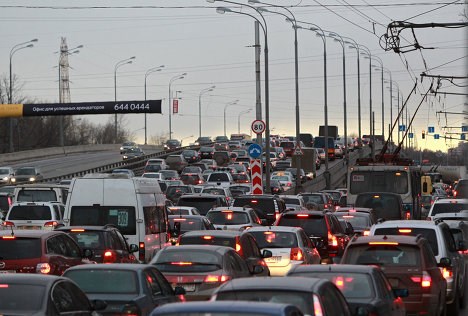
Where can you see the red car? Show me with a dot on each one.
(39, 251)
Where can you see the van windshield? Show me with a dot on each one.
(36, 196)
(121, 216)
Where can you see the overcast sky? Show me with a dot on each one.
(214, 49)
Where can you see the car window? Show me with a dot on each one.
(428, 233)
(312, 225)
(70, 248)
(20, 248)
(275, 239)
(236, 263)
(449, 241)
(254, 247)
(55, 246)
(30, 212)
(165, 286)
(152, 283)
(384, 255)
(67, 297)
(117, 245)
(333, 303)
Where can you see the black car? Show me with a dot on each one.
(131, 153)
(174, 192)
(129, 289)
(106, 242)
(172, 144)
(180, 224)
(266, 206)
(206, 152)
(30, 294)
(276, 187)
(191, 155)
(366, 288)
(203, 141)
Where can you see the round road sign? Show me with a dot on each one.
(258, 126)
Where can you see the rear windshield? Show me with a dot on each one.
(312, 225)
(269, 239)
(313, 199)
(177, 190)
(265, 205)
(185, 224)
(385, 206)
(20, 248)
(384, 255)
(30, 212)
(219, 177)
(36, 196)
(121, 216)
(14, 304)
(427, 233)
(208, 240)
(203, 204)
(228, 218)
(291, 201)
(213, 191)
(439, 208)
(357, 221)
(88, 240)
(102, 281)
(184, 260)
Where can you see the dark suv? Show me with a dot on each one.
(321, 227)
(267, 207)
(408, 263)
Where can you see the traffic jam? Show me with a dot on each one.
(190, 236)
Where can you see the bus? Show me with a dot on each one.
(399, 177)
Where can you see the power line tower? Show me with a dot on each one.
(64, 82)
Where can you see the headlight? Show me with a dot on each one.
(5, 178)
(121, 148)
(32, 179)
(125, 157)
(13, 179)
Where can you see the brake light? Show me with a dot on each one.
(8, 237)
(296, 254)
(405, 230)
(425, 280)
(43, 268)
(408, 215)
(217, 278)
(51, 224)
(8, 223)
(141, 251)
(182, 263)
(348, 216)
(383, 243)
(130, 310)
(109, 257)
(455, 193)
(447, 273)
(207, 237)
(302, 215)
(3, 286)
(77, 230)
(339, 282)
(317, 306)
(332, 240)
(238, 247)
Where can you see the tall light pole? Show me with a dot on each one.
(292, 20)
(13, 50)
(225, 108)
(117, 65)
(369, 56)
(182, 76)
(67, 52)
(355, 45)
(199, 108)
(340, 39)
(381, 68)
(264, 26)
(239, 116)
(148, 72)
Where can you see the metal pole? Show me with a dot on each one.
(145, 112)
(115, 99)
(391, 108)
(10, 101)
(383, 104)
(359, 95)
(258, 89)
(370, 107)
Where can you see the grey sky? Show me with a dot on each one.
(189, 36)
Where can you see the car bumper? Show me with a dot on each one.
(428, 305)
(283, 270)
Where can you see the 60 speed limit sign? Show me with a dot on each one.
(258, 126)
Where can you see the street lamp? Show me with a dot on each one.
(298, 186)
(148, 72)
(381, 68)
(355, 45)
(182, 76)
(239, 116)
(264, 26)
(13, 50)
(225, 107)
(117, 65)
(199, 107)
(369, 56)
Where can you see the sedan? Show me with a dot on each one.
(6, 173)
(26, 294)
(285, 180)
(180, 224)
(290, 246)
(131, 153)
(366, 288)
(128, 289)
(26, 175)
(200, 269)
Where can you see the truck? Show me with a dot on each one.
(332, 131)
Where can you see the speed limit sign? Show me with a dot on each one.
(258, 126)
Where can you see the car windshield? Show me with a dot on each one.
(299, 299)
(228, 218)
(439, 208)
(312, 225)
(121, 216)
(178, 259)
(88, 239)
(427, 233)
(280, 178)
(4, 171)
(25, 172)
(384, 255)
(14, 304)
(105, 281)
(312, 199)
(30, 212)
(274, 239)
(19, 248)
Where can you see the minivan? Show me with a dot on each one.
(135, 206)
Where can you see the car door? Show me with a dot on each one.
(156, 292)
(68, 299)
(127, 256)
(236, 265)
(334, 303)
(55, 251)
(311, 253)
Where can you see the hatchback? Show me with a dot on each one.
(206, 152)
(190, 155)
(128, 289)
(200, 269)
(176, 162)
(233, 218)
(447, 206)
(180, 224)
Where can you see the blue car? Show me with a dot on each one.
(227, 308)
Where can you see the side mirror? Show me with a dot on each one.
(133, 248)
(362, 311)
(462, 245)
(264, 221)
(267, 254)
(98, 305)
(258, 269)
(88, 253)
(178, 290)
(445, 262)
(400, 292)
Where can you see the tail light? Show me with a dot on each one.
(141, 251)
(130, 310)
(455, 193)
(408, 215)
(317, 306)
(296, 254)
(447, 273)
(332, 240)
(425, 280)
(289, 184)
(43, 268)
(8, 224)
(217, 278)
(109, 256)
(51, 224)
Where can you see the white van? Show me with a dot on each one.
(136, 206)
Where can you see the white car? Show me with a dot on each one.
(157, 161)
(34, 215)
(183, 210)
(290, 246)
(233, 218)
(154, 175)
(447, 206)
(286, 181)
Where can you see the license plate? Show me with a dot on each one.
(29, 227)
(273, 259)
(188, 287)
(393, 282)
(7, 271)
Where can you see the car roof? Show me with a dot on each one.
(274, 229)
(87, 228)
(454, 201)
(310, 212)
(305, 284)
(343, 268)
(408, 240)
(197, 217)
(407, 223)
(356, 209)
(230, 208)
(205, 248)
(29, 233)
(215, 233)
(30, 278)
(112, 266)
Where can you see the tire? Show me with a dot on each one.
(454, 308)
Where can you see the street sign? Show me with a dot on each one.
(175, 106)
(410, 135)
(402, 128)
(298, 151)
(258, 126)
(430, 129)
(256, 169)
(436, 136)
(255, 151)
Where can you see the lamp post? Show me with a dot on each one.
(239, 116)
(355, 45)
(67, 52)
(340, 39)
(225, 107)
(13, 50)
(381, 68)
(264, 26)
(298, 186)
(117, 65)
(369, 56)
(182, 76)
(199, 108)
(148, 72)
